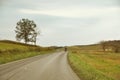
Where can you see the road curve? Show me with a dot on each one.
(46, 67)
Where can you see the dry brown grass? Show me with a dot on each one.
(106, 63)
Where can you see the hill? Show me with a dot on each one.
(11, 50)
(12, 46)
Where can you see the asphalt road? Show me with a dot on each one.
(44, 67)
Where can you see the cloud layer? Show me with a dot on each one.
(75, 12)
(63, 22)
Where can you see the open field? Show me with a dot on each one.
(11, 51)
(90, 63)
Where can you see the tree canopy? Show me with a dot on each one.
(113, 45)
(26, 31)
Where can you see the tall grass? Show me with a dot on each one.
(84, 70)
(11, 51)
(8, 57)
(91, 64)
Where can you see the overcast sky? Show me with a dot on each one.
(63, 22)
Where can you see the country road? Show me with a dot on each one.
(44, 67)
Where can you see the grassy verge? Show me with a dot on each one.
(90, 63)
(84, 70)
(11, 51)
(7, 57)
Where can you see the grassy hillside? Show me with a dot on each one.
(11, 51)
(90, 63)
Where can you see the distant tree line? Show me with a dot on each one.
(113, 45)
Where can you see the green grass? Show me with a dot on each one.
(9, 46)
(11, 51)
(5, 58)
(91, 64)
